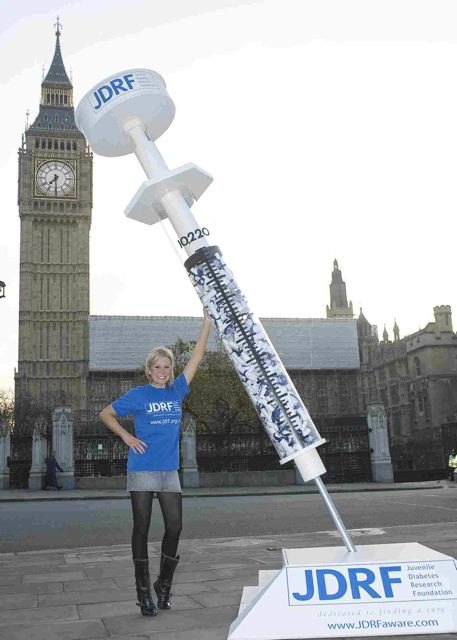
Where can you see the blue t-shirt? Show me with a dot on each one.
(157, 419)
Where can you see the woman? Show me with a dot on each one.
(153, 462)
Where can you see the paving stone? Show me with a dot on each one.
(78, 558)
(142, 637)
(78, 630)
(18, 601)
(213, 633)
(33, 569)
(274, 557)
(39, 587)
(107, 610)
(86, 597)
(207, 565)
(65, 576)
(188, 588)
(27, 562)
(195, 576)
(90, 585)
(171, 621)
(44, 613)
(104, 610)
(12, 579)
(238, 573)
(234, 584)
(111, 570)
(218, 599)
(125, 581)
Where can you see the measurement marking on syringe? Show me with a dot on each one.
(224, 298)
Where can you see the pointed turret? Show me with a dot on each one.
(385, 335)
(339, 307)
(57, 74)
(363, 326)
(396, 331)
(56, 105)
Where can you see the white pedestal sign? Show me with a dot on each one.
(328, 592)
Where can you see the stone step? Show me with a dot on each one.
(266, 576)
(249, 593)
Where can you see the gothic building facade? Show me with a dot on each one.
(414, 377)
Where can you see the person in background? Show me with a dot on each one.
(51, 472)
(452, 464)
(153, 462)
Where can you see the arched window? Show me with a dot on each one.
(417, 366)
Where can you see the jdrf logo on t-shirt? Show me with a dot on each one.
(154, 407)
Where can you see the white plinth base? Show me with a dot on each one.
(328, 592)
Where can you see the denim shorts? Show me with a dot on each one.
(153, 481)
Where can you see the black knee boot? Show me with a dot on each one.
(143, 587)
(162, 585)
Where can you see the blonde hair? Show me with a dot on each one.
(153, 356)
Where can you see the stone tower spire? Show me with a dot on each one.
(57, 74)
(339, 307)
(56, 104)
(55, 209)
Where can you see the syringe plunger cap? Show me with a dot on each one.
(134, 94)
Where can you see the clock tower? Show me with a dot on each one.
(55, 204)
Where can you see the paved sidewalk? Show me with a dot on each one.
(18, 495)
(88, 593)
(85, 594)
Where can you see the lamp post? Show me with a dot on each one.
(2, 289)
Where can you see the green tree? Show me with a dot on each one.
(218, 400)
(28, 410)
(6, 408)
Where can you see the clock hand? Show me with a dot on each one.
(54, 180)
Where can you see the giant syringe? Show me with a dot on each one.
(125, 113)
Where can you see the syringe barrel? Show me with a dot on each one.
(281, 411)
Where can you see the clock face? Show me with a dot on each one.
(55, 178)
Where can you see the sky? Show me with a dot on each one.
(329, 126)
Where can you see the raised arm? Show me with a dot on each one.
(199, 350)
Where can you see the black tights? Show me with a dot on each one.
(171, 506)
